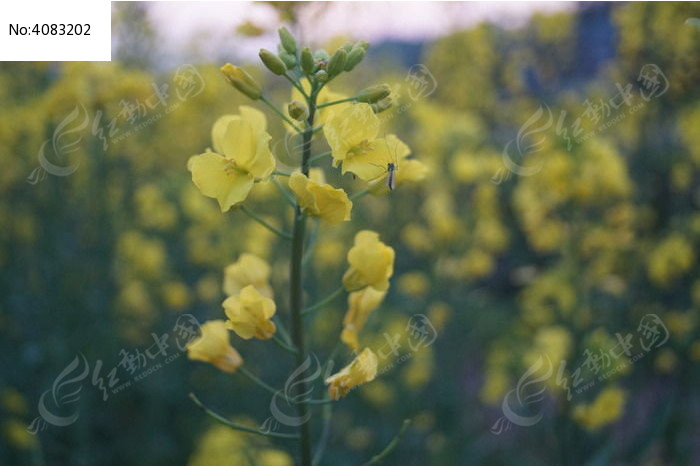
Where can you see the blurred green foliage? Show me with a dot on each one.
(556, 263)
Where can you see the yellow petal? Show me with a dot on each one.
(411, 170)
(255, 117)
(325, 201)
(332, 203)
(249, 269)
(371, 263)
(214, 177)
(298, 183)
(240, 142)
(398, 148)
(249, 314)
(263, 162)
(350, 127)
(219, 130)
(370, 164)
(214, 346)
(361, 370)
(360, 305)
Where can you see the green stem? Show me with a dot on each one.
(327, 411)
(378, 458)
(325, 434)
(279, 392)
(320, 156)
(335, 102)
(359, 194)
(287, 195)
(296, 291)
(232, 425)
(282, 329)
(257, 381)
(282, 344)
(281, 173)
(325, 301)
(262, 222)
(308, 254)
(296, 84)
(279, 113)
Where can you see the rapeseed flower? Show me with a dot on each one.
(361, 370)
(320, 199)
(371, 263)
(241, 156)
(249, 314)
(249, 269)
(213, 346)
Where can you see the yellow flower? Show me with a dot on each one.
(16, 434)
(213, 346)
(244, 143)
(361, 370)
(670, 260)
(414, 284)
(360, 304)
(249, 269)
(606, 408)
(249, 314)
(371, 263)
(352, 135)
(321, 200)
(394, 151)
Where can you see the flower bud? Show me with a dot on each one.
(382, 105)
(242, 81)
(354, 57)
(347, 47)
(307, 61)
(363, 44)
(289, 60)
(272, 61)
(288, 41)
(374, 93)
(322, 76)
(337, 62)
(321, 54)
(297, 110)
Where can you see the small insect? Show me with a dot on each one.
(391, 176)
(391, 169)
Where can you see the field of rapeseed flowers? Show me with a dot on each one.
(479, 249)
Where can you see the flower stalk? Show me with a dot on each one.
(296, 304)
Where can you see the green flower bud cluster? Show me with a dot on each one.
(318, 65)
(294, 61)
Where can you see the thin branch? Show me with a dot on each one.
(325, 301)
(325, 434)
(264, 223)
(282, 329)
(279, 113)
(296, 84)
(287, 195)
(233, 425)
(257, 381)
(284, 345)
(335, 102)
(320, 156)
(378, 458)
(359, 194)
